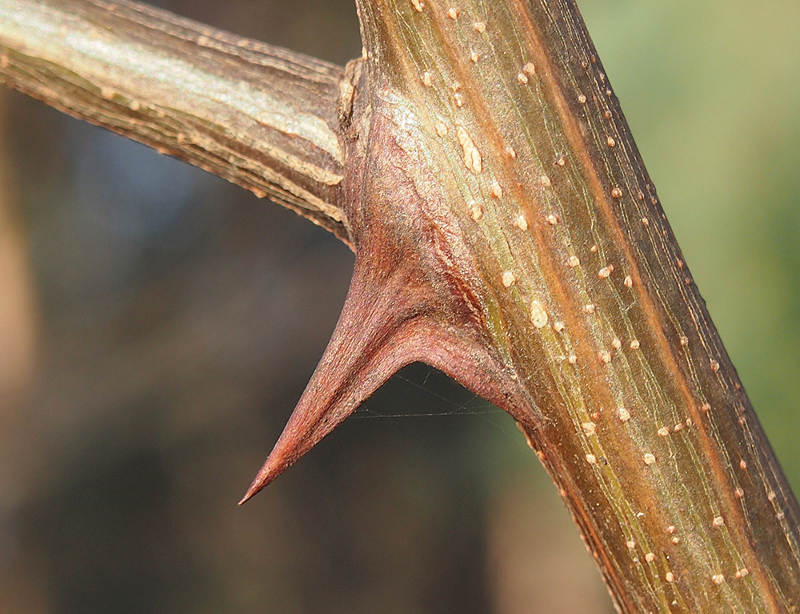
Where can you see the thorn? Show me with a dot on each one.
(385, 325)
(365, 350)
(405, 305)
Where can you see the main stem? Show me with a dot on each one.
(632, 402)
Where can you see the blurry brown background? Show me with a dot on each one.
(157, 326)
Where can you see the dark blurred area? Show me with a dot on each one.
(157, 326)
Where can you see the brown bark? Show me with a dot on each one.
(506, 232)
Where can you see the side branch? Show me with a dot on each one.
(262, 117)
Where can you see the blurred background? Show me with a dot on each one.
(157, 326)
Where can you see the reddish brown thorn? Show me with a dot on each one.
(366, 348)
(384, 326)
